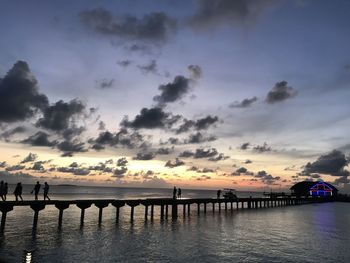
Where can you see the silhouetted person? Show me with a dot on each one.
(18, 191)
(179, 193)
(36, 190)
(6, 189)
(174, 192)
(46, 191)
(2, 190)
(218, 194)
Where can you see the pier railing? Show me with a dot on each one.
(149, 205)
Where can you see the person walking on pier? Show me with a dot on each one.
(46, 191)
(179, 193)
(2, 190)
(218, 194)
(36, 190)
(18, 191)
(5, 191)
(174, 192)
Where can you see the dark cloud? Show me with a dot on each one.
(280, 92)
(151, 27)
(9, 133)
(151, 119)
(173, 91)
(200, 124)
(248, 161)
(332, 163)
(176, 163)
(3, 164)
(262, 148)
(244, 103)
(16, 177)
(124, 63)
(144, 156)
(205, 153)
(195, 71)
(199, 138)
(101, 126)
(39, 139)
(151, 67)
(205, 170)
(60, 117)
(242, 170)
(203, 178)
(70, 147)
(186, 154)
(15, 167)
(266, 178)
(123, 138)
(245, 146)
(75, 170)
(38, 166)
(120, 172)
(122, 161)
(31, 157)
(105, 83)
(164, 151)
(213, 13)
(19, 95)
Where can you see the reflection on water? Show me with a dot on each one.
(308, 233)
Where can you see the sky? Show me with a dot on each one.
(206, 94)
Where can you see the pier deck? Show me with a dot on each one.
(164, 204)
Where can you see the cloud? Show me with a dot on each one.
(280, 92)
(195, 71)
(205, 153)
(203, 178)
(200, 124)
(144, 156)
(173, 91)
(151, 67)
(214, 13)
(70, 147)
(262, 148)
(105, 83)
(15, 167)
(75, 170)
(16, 177)
(151, 118)
(266, 178)
(245, 146)
(332, 163)
(164, 151)
(122, 161)
(248, 161)
(9, 133)
(39, 139)
(19, 95)
(153, 27)
(31, 157)
(124, 63)
(120, 172)
(176, 163)
(219, 157)
(199, 138)
(242, 170)
(60, 117)
(244, 103)
(38, 166)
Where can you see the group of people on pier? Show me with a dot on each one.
(19, 189)
(176, 193)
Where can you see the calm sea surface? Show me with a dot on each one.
(308, 233)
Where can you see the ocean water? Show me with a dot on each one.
(307, 233)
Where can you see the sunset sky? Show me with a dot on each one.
(244, 94)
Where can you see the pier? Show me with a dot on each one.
(166, 205)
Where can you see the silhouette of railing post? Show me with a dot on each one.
(117, 204)
(4, 208)
(61, 206)
(101, 204)
(37, 206)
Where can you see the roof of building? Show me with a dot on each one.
(306, 185)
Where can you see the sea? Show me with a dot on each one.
(305, 233)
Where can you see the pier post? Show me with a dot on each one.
(174, 210)
(249, 205)
(205, 208)
(101, 204)
(37, 206)
(161, 212)
(166, 211)
(146, 212)
(83, 205)
(184, 210)
(237, 205)
(146, 204)
(225, 205)
(61, 206)
(189, 209)
(152, 212)
(4, 208)
(219, 206)
(198, 208)
(231, 206)
(132, 204)
(213, 207)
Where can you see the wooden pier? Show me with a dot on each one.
(149, 204)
